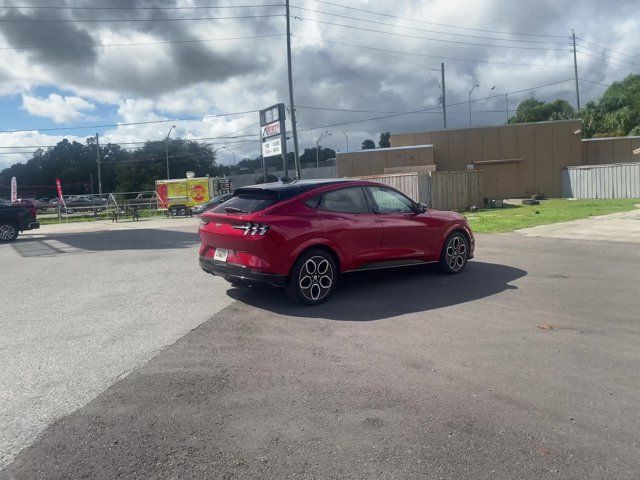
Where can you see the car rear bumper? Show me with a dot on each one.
(33, 226)
(235, 271)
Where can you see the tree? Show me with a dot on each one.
(76, 165)
(616, 113)
(384, 140)
(368, 144)
(532, 110)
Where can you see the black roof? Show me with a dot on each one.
(291, 189)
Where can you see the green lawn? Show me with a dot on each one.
(513, 217)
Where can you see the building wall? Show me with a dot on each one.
(374, 161)
(599, 151)
(517, 160)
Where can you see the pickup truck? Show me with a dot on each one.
(15, 219)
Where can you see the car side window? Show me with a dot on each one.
(313, 202)
(345, 200)
(390, 201)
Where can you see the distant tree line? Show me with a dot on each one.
(616, 113)
(122, 170)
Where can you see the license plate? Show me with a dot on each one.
(221, 254)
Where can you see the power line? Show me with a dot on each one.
(110, 20)
(608, 55)
(195, 7)
(607, 60)
(388, 15)
(340, 109)
(428, 30)
(431, 56)
(435, 107)
(595, 83)
(149, 122)
(137, 44)
(618, 52)
(459, 42)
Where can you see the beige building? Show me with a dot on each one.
(516, 160)
(600, 151)
(362, 163)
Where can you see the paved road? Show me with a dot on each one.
(525, 366)
(81, 308)
(616, 227)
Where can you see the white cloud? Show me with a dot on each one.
(162, 81)
(56, 107)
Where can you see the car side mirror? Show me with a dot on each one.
(421, 208)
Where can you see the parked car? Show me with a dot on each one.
(85, 203)
(213, 203)
(302, 235)
(145, 199)
(16, 218)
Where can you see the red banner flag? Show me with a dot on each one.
(59, 187)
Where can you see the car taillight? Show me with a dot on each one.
(253, 228)
(33, 211)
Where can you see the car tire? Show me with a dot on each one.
(313, 277)
(8, 232)
(455, 253)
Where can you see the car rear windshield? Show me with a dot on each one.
(248, 201)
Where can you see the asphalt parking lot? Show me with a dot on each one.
(524, 366)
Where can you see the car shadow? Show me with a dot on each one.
(98, 241)
(391, 293)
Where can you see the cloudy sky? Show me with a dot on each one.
(168, 62)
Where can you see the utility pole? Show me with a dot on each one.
(166, 148)
(444, 98)
(506, 100)
(99, 168)
(294, 128)
(470, 92)
(575, 68)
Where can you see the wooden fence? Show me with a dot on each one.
(438, 190)
(456, 190)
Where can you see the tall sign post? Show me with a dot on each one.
(273, 135)
(14, 190)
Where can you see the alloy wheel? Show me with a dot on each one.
(456, 253)
(316, 278)
(7, 232)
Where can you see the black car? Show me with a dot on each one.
(213, 203)
(15, 219)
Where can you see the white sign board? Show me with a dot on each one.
(271, 148)
(271, 130)
(14, 190)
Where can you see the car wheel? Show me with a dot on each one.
(312, 278)
(454, 253)
(8, 232)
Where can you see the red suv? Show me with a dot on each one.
(303, 234)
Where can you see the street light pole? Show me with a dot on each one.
(470, 92)
(234, 154)
(324, 134)
(166, 148)
(347, 137)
